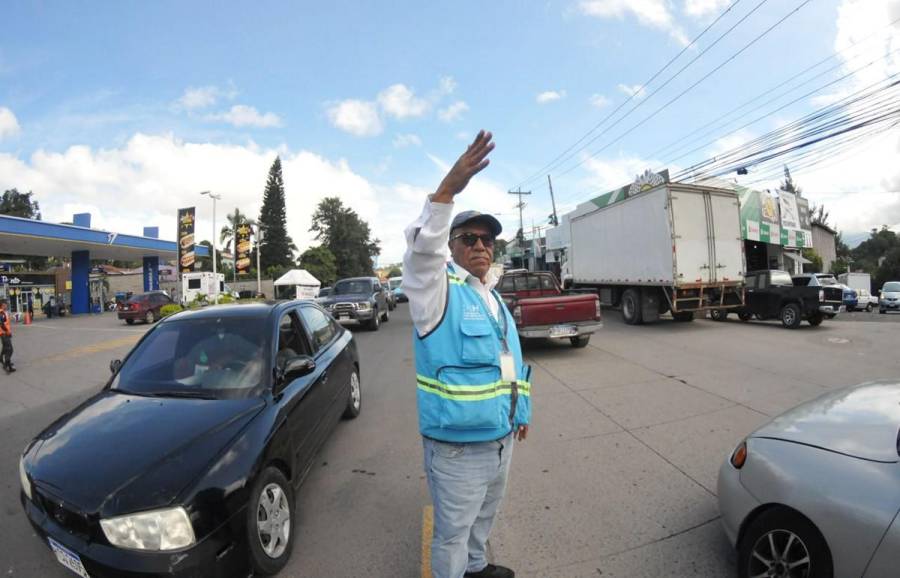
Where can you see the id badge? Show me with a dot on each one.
(507, 367)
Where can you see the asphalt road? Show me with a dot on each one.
(617, 478)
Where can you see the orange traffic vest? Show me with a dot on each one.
(5, 328)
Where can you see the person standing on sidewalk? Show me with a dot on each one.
(473, 389)
(6, 338)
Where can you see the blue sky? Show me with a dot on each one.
(370, 100)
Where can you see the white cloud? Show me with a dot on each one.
(599, 101)
(550, 96)
(241, 115)
(357, 117)
(635, 90)
(9, 126)
(652, 13)
(731, 141)
(399, 101)
(453, 112)
(702, 8)
(406, 140)
(447, 85)
(194, 98)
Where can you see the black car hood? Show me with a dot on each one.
(117, 453)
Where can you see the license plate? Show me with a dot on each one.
(343, 316)
(68, 558)
(563, 331)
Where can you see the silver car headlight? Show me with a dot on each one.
(159, 530)
(364, 306)
(23, 477)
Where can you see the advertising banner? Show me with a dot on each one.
(792, 217)
(805, 223)
(186, 257)
(242, 249)
(759, 216)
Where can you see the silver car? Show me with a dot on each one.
(815, 493)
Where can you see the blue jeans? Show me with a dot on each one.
(467, 482)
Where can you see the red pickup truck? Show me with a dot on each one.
(542, 309)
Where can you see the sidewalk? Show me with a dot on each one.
(56, 358)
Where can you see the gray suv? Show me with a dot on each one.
(359, 299)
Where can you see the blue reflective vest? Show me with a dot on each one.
(461, 395)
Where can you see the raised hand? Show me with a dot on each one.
(467, 166)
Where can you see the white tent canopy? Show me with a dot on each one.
(307, 286)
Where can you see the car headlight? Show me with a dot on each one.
(363, 306)
(23, 477)
(168, 529)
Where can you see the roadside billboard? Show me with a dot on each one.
(186, 256)
(792, 229)
(242, 249)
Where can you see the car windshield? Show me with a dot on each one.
(781, 278)
(324, 291)
(395, 283)
(351, 287)
(892, 287)
(214, 357)
(826, 280)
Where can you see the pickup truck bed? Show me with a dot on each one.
(542, 310)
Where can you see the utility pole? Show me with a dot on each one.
(552, 201)
(234, 226)
(214, 198)
(520, 205)
(259, 237)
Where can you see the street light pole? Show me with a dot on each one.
(259, 236)
(214, 198)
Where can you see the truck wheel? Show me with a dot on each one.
(683, 316)
(869, 308)
(816, 320)
(790, 316)
(131, 321)
(718, 314)
(387, 315)
(631, 307)
(745, 316)
(375, 322)
(579, 341)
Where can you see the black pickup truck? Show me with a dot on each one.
(771, 294)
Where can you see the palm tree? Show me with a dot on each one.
(226, 236)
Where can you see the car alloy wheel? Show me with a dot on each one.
(273, 520)
(148, 318)
(790, 316)
(354, 400)
(782, 543)
(779, 554)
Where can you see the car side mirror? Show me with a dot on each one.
(294, 367)
(115, 365)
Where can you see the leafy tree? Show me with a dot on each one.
(320, 263)
(347, 236)
(18, 204)
(395, 272)
(499, 249)
(840, 265)
(819, 216)
(277, 247)
(889, 270)
(789, 185)
(816, 265)
(867, 255)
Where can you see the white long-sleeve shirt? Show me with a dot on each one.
(425, 268)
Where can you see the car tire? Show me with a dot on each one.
(816, 320)
(718, 314)
(131, 321)
(387, 315)
(631, 307)
(149, 318)
(790, 316)
(745, 317)
(579, 341)
(783, 527)
(683, 316)
(869, 308)
(272, 498)
(375, 322)
(354, 397)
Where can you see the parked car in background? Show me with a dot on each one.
(865, 300)
(324, 293)
(542, 309)
(773, 294)
(850, 297)
(814, 492)
(144, 307)
(389, 295)
(359, 299)
(397, 288)
(186, 463)
(889, 298)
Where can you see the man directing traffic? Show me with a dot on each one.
(473, 389)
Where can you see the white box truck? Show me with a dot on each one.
(200, 282)
(862, 284)
(673, 247)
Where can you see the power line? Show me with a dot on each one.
(631, 97)
(688, 89)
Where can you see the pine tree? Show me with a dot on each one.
(276, 246)
(347, 236)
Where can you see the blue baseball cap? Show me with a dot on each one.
(467, 217)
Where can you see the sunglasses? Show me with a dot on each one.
(469, 239)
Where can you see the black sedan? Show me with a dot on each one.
(186, 463)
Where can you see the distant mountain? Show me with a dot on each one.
(853, 240)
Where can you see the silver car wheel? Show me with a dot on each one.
(273, 520)
(355, 395)
(779, 554)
